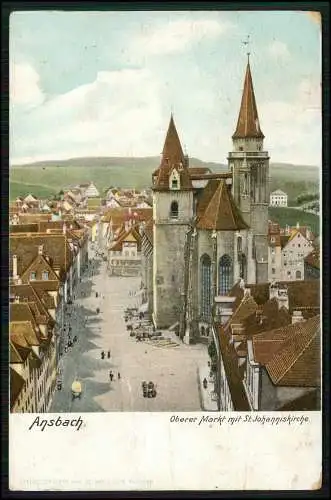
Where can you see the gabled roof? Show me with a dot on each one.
(25, 246)
(248, 125)
(221, 213)
(117, 246)
(297, 361)
(270, 317)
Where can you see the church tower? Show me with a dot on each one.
(249, 164)
(172, 214)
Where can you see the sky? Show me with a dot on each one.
(105, 83)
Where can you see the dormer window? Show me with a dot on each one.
(174, 184)
(33, 276)
(44, 275)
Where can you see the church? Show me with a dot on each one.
(209, 230)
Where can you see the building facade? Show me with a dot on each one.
(209, 229)
(278, 198)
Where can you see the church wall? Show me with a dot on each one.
(184, 199)
(168, 273)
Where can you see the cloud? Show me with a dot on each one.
(295, 128)
(178, 36)
(24, 86)
(279, 50)
(117, 114)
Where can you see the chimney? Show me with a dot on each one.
(64, 228)
(18, 280)
(223, 308)
(298, 225)
(14, 266)
(297, 317)
(40, 249)
(280, 293)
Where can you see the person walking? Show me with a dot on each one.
(118, 375)
(102, 354)
(108, 354)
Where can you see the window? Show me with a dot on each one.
(273, 270)
(174, 184)
(242, 266)
(299, 245)
(44, 275)
(241, 148)
(33, 276)
(298, 275)
(205, 303)
(288, 273)
(202, 331)
(224, 275)
(174, 210)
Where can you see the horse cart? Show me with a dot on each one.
(76, 389)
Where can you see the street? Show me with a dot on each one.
(174, 370)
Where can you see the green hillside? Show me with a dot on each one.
(137, 172)
(23, 189)
(291, 216)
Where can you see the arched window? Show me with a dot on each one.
(225, 275)
(298, 275)
(239, 244)
(174, 210)
(243, 266)
(205, 302)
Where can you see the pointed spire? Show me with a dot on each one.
(172, 149)
(248, 125)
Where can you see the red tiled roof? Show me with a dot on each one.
(248, 125)
(221, 213)
(297, 362)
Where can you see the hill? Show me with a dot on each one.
(291, 216)
(136, 172)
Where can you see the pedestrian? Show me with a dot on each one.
(108, 354)
(102, 354)
(118, 375)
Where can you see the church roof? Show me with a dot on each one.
(172, 149)
(172, 158)
(248, 125)
(221, 213)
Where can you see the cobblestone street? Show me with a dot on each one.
(173, 369)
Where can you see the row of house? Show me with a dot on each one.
(46, 261)
(268, 347)
(124, 198)
(119, 237)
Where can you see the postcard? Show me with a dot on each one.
(165, 250)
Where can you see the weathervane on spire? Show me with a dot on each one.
(246, 43)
